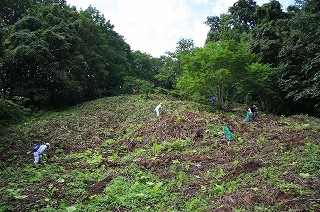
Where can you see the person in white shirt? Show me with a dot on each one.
(39, 153)
(158, 109)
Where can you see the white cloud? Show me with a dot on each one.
(155, 26)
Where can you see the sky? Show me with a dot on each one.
(155, 26)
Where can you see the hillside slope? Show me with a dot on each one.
(114, 154)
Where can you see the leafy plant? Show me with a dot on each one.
(156, 148)
(95, 159)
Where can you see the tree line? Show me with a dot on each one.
(53, 56)
(256, 55)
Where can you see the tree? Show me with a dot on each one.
(13, 10)
(31, 65)
(171, 67)
(10, 112)
(143, 66)
(56, 56)
(244, 12)
(223, 69)
(298, 72)
(268, 35)
(134, 85)
(167, 73)
(113, 52)
(271, 11)
(240, 19)
(223, 28)
(288, 43)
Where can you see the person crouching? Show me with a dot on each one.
(39, 153)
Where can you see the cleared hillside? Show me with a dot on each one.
(114, 154)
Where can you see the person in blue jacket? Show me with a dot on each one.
(39, 153)
(213, 99)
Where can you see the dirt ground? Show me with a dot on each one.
(262, 137)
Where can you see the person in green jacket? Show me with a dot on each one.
(247, 119)
(227, 133)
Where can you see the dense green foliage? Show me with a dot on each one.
(53, 56)
(57, 57)
(225, 69)
(298, 72)
(10, 112)
(288, 42)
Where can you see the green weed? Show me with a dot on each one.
(156, 148)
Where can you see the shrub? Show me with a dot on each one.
(10, 112)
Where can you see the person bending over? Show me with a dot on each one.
(38, 152)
